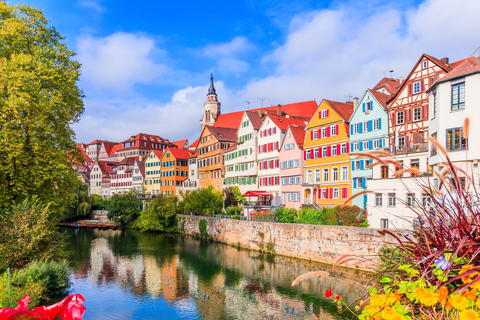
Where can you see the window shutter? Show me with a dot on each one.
(394, 123)
(348, 150)
(362, 164)
(355, 183)
(278, 161)
(360, 127)
(353, 165)
(379, 123)
(360, 146)
(336, 129)
(326, 193)
(311, 154)
(364, 182)
(328, 131)
(319, 193)
(320, 114)
(370, 144)
(351, 129)
(370, 125)
(331, 193)
(425, 112)
(363, 107)
(380, 142)
(305, 155)
(351, 146)
(338, 149)
(410, 89)
(329, 151)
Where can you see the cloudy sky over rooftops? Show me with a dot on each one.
(146, 65)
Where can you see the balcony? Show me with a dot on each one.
(259, 203)
(412, 148)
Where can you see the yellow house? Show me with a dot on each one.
(152, 172)
(326, 155)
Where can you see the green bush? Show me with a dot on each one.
(233, 210)
(160, 215)
(205, 201)
(286, 215)
(80, 202)
(28, 232)
(310, 216)
(202, 226)
(35, 289)
(329, 217)
(124, 208)
(53, 274)
(350, 215)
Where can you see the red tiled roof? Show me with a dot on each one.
(141, 166)
(109, 146)
(180, 143)
(344, 109)
(468, 66)
(442, 64)
(129, 160)
(381, 98)
(106, 166)
(232, 147)
(193, 155)
(223, 134)
(195, 143)
(459, 62)
(391, 85)
(283, 122)
(158, 153)
(229, 120)
(298, 134)
(180, 153)
(115, 148)
(255, 119)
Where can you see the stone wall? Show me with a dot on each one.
(311, 242)
(100, 215)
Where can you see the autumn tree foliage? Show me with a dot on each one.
(39, 102)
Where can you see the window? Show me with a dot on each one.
(323, 133)
(356, 146)
(401, 142)
(417, 114)
(426, 200)
(458, 96)
(376, 124)
(323, 193)
(335, 193)
(344, 148)
(309, 176)
(324, 113)
(392, 199)
(334, 151)
(410, 199)
(317, 175)
(325, 175)
(415, 164)
(378, 199)
(384, 223)
(324, 152)
(416, 87)
(384, 172)
(433, 150)
(434, 104)
(333, 130)
(376, 144)
(365, 126)
(400, 118)
(455, 140)
(344, 173)
(368, 106)
(356, 128)
(334, 174)
(365, 145)
(357, 165)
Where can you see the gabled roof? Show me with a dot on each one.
(128, 161)
(467, 67)
(283, 122)
(193, 155)
(115, 148)
(233, 147)
(229, 120)
(255, 119)
(223, 134)
(343, 109)
(381, 98)
(298, 134)
(109, 146)
(195, 143)
(182, 154)
(391, 85)
(442, 64)
(158, 153)
(107, 166)
(180, 143)
(141, 166)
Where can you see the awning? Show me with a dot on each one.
(256, 193)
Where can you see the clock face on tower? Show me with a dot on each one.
(207, 107)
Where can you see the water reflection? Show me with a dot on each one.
(130, 275)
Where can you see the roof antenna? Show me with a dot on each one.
(349, 96)
(262, 99)
(248, 103)
(391, 74)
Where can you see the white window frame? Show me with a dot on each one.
(335, 174)
(417, 87)
(334, 151)
(344, 173)
(333, 130)
(378, 200)
(397, 117)
(376, 124)
(323, 133)
(335, 193)
(325, 175)
(365, 126)
(417, 114)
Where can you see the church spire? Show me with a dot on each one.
(211, 90)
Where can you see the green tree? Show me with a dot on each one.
(124, 208)
(39, 102)
(350, 215)
(160, 215)
(28, 232)
(80, 203)
(205, 201)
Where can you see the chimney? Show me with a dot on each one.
(355, 102)
(446, 60)
(400, 80)
(260, 113)
(279, 110)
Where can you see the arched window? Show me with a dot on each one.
(325, 175)
(344, 173)
(334, 174)
(317, 175)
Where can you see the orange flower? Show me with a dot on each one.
(458, 302)
(448, 306)
(442, 295)
(472, 295)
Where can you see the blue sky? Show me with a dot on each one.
(146, 64)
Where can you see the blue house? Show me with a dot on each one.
(368, 131)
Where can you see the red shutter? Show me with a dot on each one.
(328, 111)
(319, 193)
(274, 130)
(348, 147)
(259, 149)
(336, 130)
(261, 134)
(304, 154)
(311, 135)
(320, 114)
(271, 164)
(338, 149)
(271, 181)
(393, 118)
(425, 112)
(311, 154)
(329, 151)
(331, 193)
(408, 114)
(326, 193)
(320, 153)
(328, 131)
(410, 89)
(278, 162)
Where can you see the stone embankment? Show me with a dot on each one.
(311, 242)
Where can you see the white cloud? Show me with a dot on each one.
(91, 4)
(118, 61)
(227, 55)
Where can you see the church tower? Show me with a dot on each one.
(211, 107)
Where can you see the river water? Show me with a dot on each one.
(131, 275)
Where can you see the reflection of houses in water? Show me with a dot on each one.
(153, 277)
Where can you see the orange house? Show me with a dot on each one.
(213, 143)
(173, 170)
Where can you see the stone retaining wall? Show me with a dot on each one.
(312, 242)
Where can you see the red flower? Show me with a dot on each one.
(337, 297)
(328, 293)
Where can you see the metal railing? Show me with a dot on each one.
(264, 203)
(258, 218)
(411, 148)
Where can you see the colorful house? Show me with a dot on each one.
(368, 131)
(152, 172)
(291, 167)
(173, 170)
(326, 155)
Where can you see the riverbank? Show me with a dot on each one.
(90, 224)
(319, 243)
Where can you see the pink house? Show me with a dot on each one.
(291, 167)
